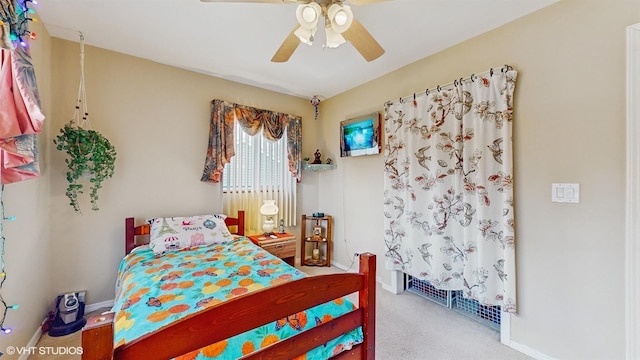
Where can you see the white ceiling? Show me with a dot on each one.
(236, 41)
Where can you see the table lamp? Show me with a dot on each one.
(269, 210)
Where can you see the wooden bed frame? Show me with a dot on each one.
(256, 309)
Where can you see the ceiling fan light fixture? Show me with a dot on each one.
(305, 35)
(308, 14)
(333, 38)
(340, 17)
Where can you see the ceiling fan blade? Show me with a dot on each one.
(362, 40)
(289, 45)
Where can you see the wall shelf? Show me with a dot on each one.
(318, 167)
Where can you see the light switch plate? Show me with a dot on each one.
(565, 193)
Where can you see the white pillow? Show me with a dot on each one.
(176, 233)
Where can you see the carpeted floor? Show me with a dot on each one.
(408, 326)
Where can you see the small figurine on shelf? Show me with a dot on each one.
(317, 159)
(316, 235)
(329, 161)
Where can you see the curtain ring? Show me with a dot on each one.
(491, 72)
(401, 101)
(426, 92)
(473, 77)
(455, 83)
(439, 89)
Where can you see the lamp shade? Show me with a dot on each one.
(305, 35)
(308, 14)
(334, 39)
(340, 17)
(269, 209)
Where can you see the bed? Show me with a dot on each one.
(311, 315)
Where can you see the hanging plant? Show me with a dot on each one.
(89, 154)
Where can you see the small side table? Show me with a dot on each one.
(282, 245)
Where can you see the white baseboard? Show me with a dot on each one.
(340, 266)
(348, 269)
(96, 306)
(505, 339)
(529, 351)
(33, 342)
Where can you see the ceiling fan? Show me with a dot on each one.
(340, 26)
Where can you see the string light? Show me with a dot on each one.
(3, 273)
(18, 25)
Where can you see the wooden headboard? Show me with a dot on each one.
(131, 231)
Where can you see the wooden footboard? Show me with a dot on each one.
(255, 309)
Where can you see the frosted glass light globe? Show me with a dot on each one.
(309, 14)
(341, 17)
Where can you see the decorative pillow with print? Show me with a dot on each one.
(176, 233)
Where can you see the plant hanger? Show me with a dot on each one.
(90, 156)
(82, 94)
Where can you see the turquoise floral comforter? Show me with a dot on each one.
(155, 291)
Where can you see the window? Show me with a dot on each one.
(258, 163)
(258, 171)
(250, 167)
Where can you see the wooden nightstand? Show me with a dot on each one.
(96, 342)
(283, 246)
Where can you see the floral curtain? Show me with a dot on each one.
(20, 115)
(448, 188)
(249, 193)
(220, 149)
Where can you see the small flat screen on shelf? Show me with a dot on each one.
(360, 135)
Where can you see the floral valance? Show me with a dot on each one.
(252, 120)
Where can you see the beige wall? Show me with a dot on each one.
(27, 247)
(568, 127)
(157, 117)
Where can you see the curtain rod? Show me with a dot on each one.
(472, 77)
